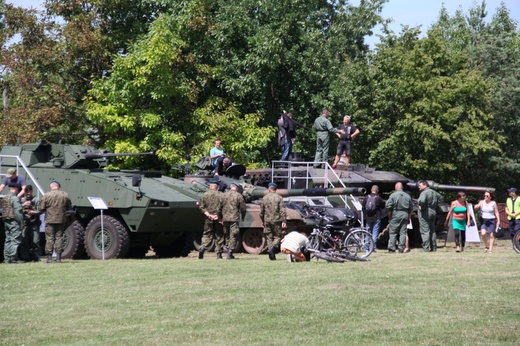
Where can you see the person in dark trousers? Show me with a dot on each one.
(513, 211)
(12, 216)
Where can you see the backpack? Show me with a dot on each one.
(370, 206)
(7, 208)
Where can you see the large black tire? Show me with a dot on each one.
(74, 241)
(516, 242)
(253, 241)
(180, 248)
(116, 238)
(328, 257)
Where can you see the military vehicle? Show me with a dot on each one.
(145, 208)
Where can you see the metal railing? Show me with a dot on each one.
(28, 173)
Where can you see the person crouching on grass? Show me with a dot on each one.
(292, 245)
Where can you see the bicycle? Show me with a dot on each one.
(337, 245)
(516, 242)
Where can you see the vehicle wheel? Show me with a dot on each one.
(73, 241)
(516, 242)
(180, 247)
(253, 241)
(359, 243)
(198, 241)
(115, 237)
(328, 258)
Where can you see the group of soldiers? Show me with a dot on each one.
(21, 217)
(223, 212)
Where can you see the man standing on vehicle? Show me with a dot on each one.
(13, 217)
(323, 127)
(274, 218)
(233, 207)
(373, 205)
(12, 177)
(399, 207)
(345, 141)
(210, 205)
(54, 204)
(428, 202)
(513, 212)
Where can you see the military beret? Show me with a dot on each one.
(273, 185)
(236, 183)
(55, 181)
(213, 181)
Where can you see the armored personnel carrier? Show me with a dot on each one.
(145, 208)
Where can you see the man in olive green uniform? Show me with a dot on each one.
(273, 216)
(31, 231)
(233, 206)
(428, 202)
(210, 205)
(323, 127)
(54, 204)
(399, 207)
(13, 217)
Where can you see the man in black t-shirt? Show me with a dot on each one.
(345, 140)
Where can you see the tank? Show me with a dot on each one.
(145, 208)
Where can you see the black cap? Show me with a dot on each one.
(512, 189)
(28, 188)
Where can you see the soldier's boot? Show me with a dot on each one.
(58, 258)
(272, 256)
(230, 255)
(219, 255)
(201, 252)
(49, 258)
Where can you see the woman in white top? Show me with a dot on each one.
(490, 219)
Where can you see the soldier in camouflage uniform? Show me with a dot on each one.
(210, 205)
(54, 204)
(13, 217)
(233, 206)
(399, 207)
(428, 202)
(323, 127)
(273, 216)
(31, 229)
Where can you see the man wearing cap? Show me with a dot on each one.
(323, 127)
(12, 177)
(345, 140)
(513, 211)
(274, 218)
(30, 249)
(233, 207)
(210, 205)
(54, 204)
(13, 218)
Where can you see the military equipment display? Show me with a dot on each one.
(145, 208)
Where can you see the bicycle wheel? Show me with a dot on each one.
(359, 243)
(328, 258)
(516, 242)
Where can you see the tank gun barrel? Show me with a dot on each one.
(452, 188)
(93, 155)
(259, 193)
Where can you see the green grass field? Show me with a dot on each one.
(442, 298)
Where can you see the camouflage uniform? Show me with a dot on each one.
(272, 214)
(233, 206)
(54, 204)
(323, 127)
(13, 218)
(211, 203)
(400, 205)
(31, 231)
(428, 201)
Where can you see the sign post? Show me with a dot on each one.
(98, 204)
